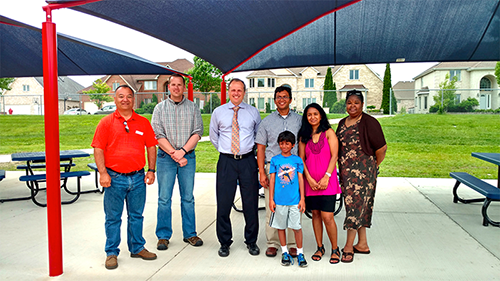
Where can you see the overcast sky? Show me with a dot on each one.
(90, 28)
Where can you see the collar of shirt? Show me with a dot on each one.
(174, 102)
(119, 116)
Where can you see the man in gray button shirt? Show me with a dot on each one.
(283, 119)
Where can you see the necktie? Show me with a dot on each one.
(235, 133)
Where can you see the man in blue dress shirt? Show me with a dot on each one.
(233, 127)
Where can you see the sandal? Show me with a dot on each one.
(335, 260)
(316, 257)
(346, 255)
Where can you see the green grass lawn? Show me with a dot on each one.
(419, 145)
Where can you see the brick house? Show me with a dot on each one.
(404, 91)
(475, 80)
(26, 95)
(307, 84)
(145, 86)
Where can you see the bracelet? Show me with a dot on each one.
(151, 170)
(184, 150)
(328, 174)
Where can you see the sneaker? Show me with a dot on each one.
(111, 262)
(194, 241)
(162, 244)
(144, 254)
(286, 259)
(301, 260)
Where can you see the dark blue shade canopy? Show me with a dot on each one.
(228, 32)
(21, 55)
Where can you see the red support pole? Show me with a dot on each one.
(190, 89)
(223, 90)
(51, 106)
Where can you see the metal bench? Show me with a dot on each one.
(33, 180)
(42, 166)
(93, 166)
(491, 193)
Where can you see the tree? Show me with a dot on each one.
(446, 94)
(5, 83)
(329, 97)
(154, 99)
(497, 72)
(96, 93)
(386, 92)
(210, 106)
(206, 77)
(268, 108)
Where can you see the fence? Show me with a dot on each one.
(408, 101)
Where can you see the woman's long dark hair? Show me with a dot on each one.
(305, 132)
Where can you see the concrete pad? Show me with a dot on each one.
(417, 234)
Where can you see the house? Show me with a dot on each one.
(26, 95)
(474, 80)
(144, 85)
(404, 91)
(307, 84)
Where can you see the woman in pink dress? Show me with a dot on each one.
(318, 148)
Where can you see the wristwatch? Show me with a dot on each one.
(328, 174)
(151, 170)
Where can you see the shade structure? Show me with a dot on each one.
(237, 35)
(21, 55)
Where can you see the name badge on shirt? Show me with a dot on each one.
(139, 132)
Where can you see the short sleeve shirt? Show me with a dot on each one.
(286, 184)
(124, 152)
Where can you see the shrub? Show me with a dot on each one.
(338, 107)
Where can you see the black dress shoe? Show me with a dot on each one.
(224, 251)
(253, 249)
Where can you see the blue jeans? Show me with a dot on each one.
(166, 172)
(131, 190)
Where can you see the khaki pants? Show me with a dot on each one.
(272, 233)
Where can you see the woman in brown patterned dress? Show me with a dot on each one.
(362, 148)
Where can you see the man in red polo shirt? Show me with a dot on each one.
(118, 144)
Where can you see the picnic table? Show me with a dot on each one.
(491, 193)
(33, 178)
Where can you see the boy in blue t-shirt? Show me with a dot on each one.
(286, 196)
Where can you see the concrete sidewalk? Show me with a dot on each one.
(417, 234)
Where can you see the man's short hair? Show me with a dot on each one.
(237, 80)
(281, 89)
(176, 75)
(124, 86)
(286, 136)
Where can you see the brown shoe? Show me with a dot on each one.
(111, 262)
(162, 244)
(194, 241)
(144, 254)
(271, 252)
(293, 252)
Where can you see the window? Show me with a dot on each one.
(197, 101)
(485, 84)
(354, 74)
(420, 102)
(457, 98)
(252, 101)
(422, 82)
(261, 103)
(115, 85)
(454, 73)
(260, 82)
(26, 88)
(425, 102)
(309, 83)
(306, 101)
(270, 82)
(252, 83)
(149, 85)
(271, 103)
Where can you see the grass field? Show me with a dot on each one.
(428, 146)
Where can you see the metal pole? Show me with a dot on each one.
(390, 101)
(49, 43)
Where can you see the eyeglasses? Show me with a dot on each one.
(126, 126)
(282, 98)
